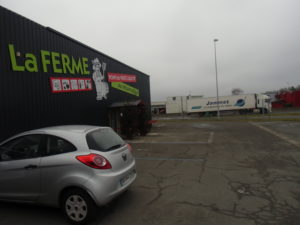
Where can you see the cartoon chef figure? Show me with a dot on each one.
(98, 77)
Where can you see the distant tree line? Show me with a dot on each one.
(288, 89)
(239, 91)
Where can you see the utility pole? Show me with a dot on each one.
(215, 40)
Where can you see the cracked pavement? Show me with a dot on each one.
(247, 177)
(240, 175)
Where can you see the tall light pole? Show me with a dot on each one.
(215, 40)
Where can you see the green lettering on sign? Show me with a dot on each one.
(85, 66)
(66, 64)
(77, 66)
(31, 63)
(13, 59)
(59, 62)
(45, 60)
(55, 62)
(126, 88)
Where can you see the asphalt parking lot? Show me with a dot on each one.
(195, 172)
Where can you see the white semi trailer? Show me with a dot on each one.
(247, 103)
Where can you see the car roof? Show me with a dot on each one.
(62, 130)
(71, 132)
(68, 129)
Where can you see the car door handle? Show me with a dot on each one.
(30, 167)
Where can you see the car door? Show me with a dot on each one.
(19, 168)
(56, 167)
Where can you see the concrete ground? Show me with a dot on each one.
(204, 173)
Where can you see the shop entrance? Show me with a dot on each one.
(128, 119)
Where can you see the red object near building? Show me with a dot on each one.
(287, 99)
(297, 98)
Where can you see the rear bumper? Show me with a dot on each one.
(104, 187)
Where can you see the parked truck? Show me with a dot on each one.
(247, 103)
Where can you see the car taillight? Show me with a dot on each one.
(94, 161)
(130, 147)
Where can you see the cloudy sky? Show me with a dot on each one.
(172, 40)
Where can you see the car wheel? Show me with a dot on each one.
(78, 206)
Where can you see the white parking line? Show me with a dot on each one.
(281, 136)
(210, 138)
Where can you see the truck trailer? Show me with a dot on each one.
(247, 103)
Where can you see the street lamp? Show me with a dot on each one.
(215, 40)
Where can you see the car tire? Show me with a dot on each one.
(77, 206)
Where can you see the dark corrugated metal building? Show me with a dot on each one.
(47, 78)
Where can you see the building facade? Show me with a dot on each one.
(48, 78)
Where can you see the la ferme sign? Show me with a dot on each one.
(60, 63)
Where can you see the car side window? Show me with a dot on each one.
(24, 147)
(57, 145)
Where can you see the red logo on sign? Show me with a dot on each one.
(118, 77)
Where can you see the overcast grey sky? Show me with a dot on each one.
(172, 40)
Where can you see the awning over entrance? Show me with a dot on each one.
(127, 103)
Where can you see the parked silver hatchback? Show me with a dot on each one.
(74, 167)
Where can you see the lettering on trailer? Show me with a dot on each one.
(216, 102)
(196, 107)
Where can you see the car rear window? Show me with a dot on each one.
(104, 140)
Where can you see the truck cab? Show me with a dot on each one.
(263, 103)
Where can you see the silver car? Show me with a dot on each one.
(74, 167)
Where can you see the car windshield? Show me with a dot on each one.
(104, 140)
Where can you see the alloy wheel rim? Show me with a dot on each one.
(76, 208)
